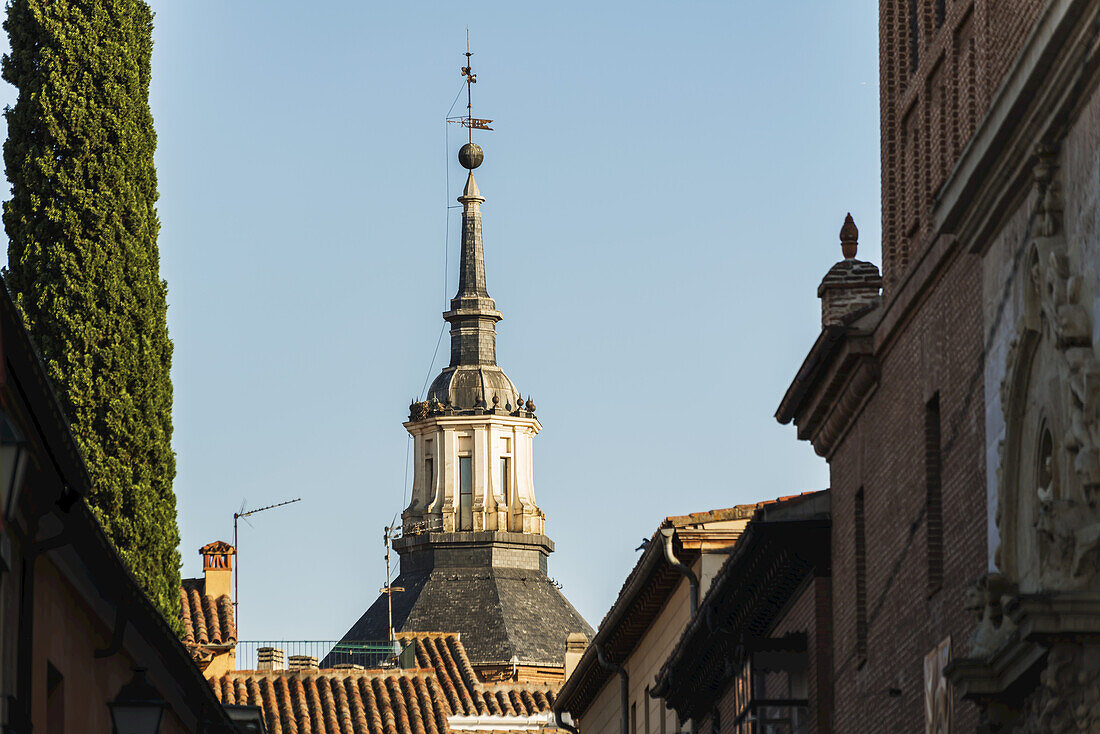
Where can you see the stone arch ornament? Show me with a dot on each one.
(1050, 394)
(1041, 613)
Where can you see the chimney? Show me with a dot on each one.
(270, 658)
(575, 645)
(217, 568)
(851, 285)
(303, 662)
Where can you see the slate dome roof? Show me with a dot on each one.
(465, 387)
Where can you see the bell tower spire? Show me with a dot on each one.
(473, 314)
(473, 546)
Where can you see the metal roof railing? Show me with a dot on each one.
(306, 654)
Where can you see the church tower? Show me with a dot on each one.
(474, 432)
(473, 550)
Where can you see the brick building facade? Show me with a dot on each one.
(940, 64)
(895, 393)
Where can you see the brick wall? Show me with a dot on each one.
(884, 454)
(930, 110)
(941, 61)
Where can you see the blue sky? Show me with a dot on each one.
(664, 188)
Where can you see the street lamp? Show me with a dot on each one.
(13, 460)
(138, 707)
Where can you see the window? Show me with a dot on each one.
(663, 715)
(933, 484)
(861, 578)
(646, 704)
(634, 718)
(429, 475)
(506, 478)
(941, 12)
(465, 493)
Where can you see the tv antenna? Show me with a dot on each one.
(469, 121)
(389, 589)
(243, 514)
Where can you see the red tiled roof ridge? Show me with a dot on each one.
(726, 513)
(333, 673)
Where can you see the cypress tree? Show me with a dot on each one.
(83, 264)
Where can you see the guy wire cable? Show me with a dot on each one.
(446, 257)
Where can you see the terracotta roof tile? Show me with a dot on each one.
(206, 620)
(464, 694)
(418, 701)
(346, 702)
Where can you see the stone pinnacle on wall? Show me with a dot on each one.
(851, 286)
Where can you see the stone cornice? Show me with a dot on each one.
(835, 379)
(456, 421)
(1040, 620)
(415, 541)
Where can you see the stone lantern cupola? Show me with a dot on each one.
(473, 433)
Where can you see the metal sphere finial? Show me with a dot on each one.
(471, 155)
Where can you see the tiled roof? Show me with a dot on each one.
(339, 701)
(206, 620)
(737, 512)
(465, 694)
(502, 612)
(413, 701)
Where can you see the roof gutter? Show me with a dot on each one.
(560, 720)
(650, 559)
(624, 688)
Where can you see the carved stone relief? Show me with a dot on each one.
(1068, 697)
(1049, 475)
(1048, 479)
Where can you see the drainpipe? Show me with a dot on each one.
(693, 580)
(561, 723)
(624, 687)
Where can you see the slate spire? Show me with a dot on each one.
(473, 314)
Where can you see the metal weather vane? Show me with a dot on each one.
(469, 121)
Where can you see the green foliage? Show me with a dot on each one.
(83, 262)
